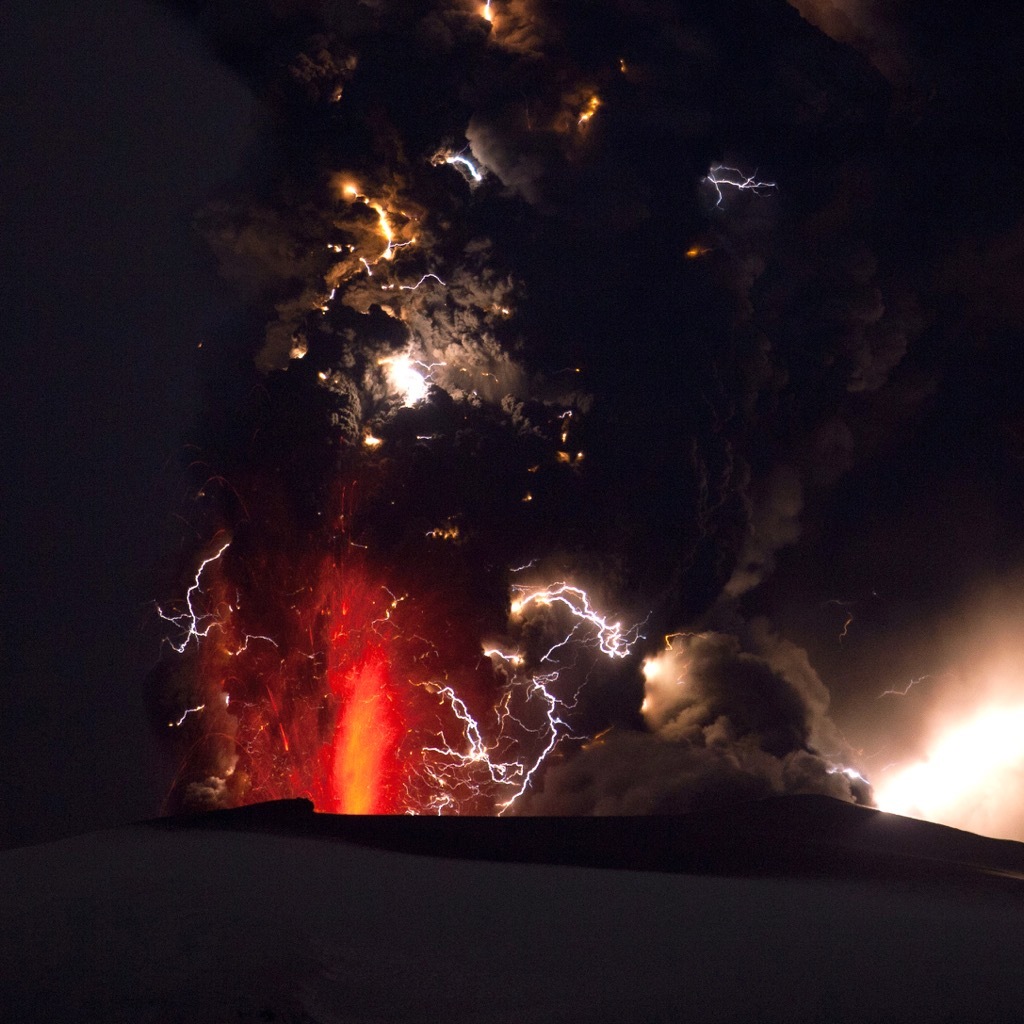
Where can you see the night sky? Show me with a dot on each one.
(799, 407)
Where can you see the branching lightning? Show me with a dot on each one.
(538, 685)
(720, 176)
(194, 624)
(613, 639)
(474, 766)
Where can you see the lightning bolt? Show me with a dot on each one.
(613, 639)
(452, 768)
(195, 625)
(464, 164)
(850, 773)
(425, 277)
(539, 685)
(905, 690)
(188, 711)
(719, 175)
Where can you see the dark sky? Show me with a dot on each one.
(115, 125)
(805, 443)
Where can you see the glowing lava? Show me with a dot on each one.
(300, 657)
(366, 770)
(318, 681)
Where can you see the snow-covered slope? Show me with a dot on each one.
(283, 918)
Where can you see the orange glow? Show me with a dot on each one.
(301, 649)
(350, 191)
(385, 229)
(696, 251)
(972, 777)
(368, 732)
(590, 109)
(486, 13)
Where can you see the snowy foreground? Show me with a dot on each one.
(278, 915)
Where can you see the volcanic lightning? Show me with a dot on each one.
(405, 472)
(613, 639)
(185, 714)
(720, 176)
(590, 108)
(387, 230)
(195, 625)
(464, 164)
(475, 766)
(410, 383)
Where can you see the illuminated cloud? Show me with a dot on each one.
(774, 523)
(723, 725)
(971, 777)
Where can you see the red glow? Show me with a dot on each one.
(365, 776)
(311, 690)
(311, 671)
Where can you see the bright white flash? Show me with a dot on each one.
(850, 773)
(466, 166)
(194, 624)
(408, 377)
(971, 763)
(720, 176)
(614, 640)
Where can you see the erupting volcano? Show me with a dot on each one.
(423, 589)
(579, 350)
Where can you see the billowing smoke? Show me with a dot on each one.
(536, 406)
(721, 724)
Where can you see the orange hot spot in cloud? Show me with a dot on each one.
(590, 108)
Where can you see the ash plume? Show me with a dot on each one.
(509, 343)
